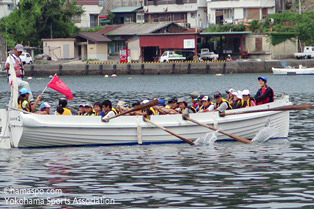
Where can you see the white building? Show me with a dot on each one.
(90, 17)
(6, 6)
(189, 13)
(236, 11)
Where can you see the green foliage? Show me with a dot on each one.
(95, 29)
(225, 28)
(33, 20)
(277, 38)
(302, 26)
(255, 25)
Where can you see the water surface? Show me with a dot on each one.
(276, 174)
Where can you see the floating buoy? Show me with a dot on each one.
(130, 78)
(106, 76)
(29, 78)
(40, 78)
(219, 75)
(113, 75)
(51, 76)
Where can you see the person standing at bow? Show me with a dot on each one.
(265, 94)
(19, 71)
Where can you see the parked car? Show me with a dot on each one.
(207, 55)
(26, 58)
(308, 53)
(171, 56)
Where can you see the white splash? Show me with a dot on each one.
(208, 140)
(264, 134)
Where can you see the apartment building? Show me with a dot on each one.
(90, 18)
(188, 13)
(6, 6)
(237, 11)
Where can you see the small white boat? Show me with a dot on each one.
(19, 129)
(293, 71)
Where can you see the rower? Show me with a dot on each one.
(221, 104)
(185, 109)
(237, 99)
(44, 109)
(194, 95)
(62, 108)
(89, 110)
(199, 103)
(121, 107)
(247, 101)
(230, 95)
(24, 102)
(206, 103)
(265, 94)
(109, 111)
(81, 109)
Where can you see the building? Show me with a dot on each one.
(124, 15)
(59, 48)
(6, 6)
(85, 45)
(92, 45)
(188, 13)
(237, 11)
(123, 36)
(90, 17)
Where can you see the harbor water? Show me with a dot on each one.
(273, 174)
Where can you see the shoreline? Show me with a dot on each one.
(98, 68)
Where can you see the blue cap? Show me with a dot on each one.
(44, 105)
(263, 78)
(161, 102)
(24, 91)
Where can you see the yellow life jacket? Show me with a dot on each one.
(115, 111)
(90, 114)
(248, 103)
(155, 112)
(223, 100)
(168, 107)
(66, 112)
(24, 103)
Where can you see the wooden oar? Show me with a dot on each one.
(168, 131)
(283, 108)
(140, 107)
(238, 138)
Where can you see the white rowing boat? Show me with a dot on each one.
(293, 71)
(19, 129)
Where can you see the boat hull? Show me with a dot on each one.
(31, 130)
(293, 71)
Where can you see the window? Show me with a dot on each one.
(10, 7)
(101, 2)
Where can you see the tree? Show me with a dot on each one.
(33, 20)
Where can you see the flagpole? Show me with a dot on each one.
(48, 84)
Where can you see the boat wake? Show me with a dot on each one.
(264, 134)
(208, 140)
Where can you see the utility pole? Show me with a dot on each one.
(300, 9)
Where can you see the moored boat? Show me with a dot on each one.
(293, 71)
(20, 129)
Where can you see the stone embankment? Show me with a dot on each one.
(99, 68)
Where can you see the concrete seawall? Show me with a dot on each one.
(161, 68)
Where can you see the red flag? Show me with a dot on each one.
(57, 84)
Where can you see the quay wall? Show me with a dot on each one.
(100, 68)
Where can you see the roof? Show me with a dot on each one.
(87, 2)
(125, 9)
(58, 39)
(168, 34)
(92, 36)
(108, 29)
(227, 33)
(137, 28)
